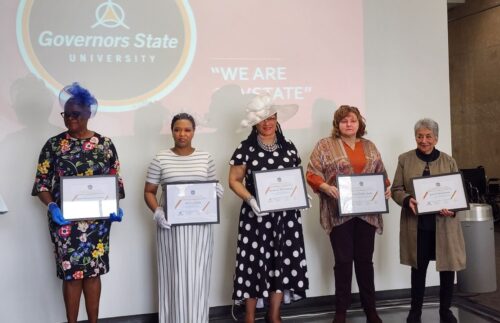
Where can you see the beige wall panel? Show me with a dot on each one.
(474, 49)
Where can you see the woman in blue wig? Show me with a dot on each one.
(81, 246)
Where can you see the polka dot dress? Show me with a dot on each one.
(270, 255)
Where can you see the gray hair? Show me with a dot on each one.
(427, 123)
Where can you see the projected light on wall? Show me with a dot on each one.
(134, 60)
(180, 54)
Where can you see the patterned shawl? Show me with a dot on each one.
(328, 159)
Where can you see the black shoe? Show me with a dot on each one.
(372, 317)
(446, 316)
(414, 317)
(339, 317)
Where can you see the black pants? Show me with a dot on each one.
(353, 241)
(426, 251)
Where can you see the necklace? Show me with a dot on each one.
(266, 147)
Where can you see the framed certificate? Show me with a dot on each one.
(280, 189)
(362, 194)
(89, 197)
(191, 202)
(437, 192)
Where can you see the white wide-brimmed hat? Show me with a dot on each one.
(261, 107)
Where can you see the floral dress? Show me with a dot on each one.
(270, 255)
(82, 247)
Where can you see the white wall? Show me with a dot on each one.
(406, 74)
(406, 50)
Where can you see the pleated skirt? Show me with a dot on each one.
(184, 268)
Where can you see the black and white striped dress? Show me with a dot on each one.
(184, 252)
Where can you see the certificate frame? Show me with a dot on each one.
(191, 202)
(361, 194)
(280, 189)
(89, 197)
(436, 192)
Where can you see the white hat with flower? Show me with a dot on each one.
(261, 107)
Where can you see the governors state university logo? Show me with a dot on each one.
(129, 53)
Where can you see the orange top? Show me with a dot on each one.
(356, 157)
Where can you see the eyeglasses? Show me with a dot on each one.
(71, 114)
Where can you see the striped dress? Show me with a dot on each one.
(184, 252)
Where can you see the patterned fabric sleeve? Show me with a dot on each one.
(45, 171)
(315, 166)
(314, 174)
(239, 156)
(114, 169)
(314, 181)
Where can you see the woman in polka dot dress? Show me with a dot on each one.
(270, 255)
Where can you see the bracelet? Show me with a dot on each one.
(248, 199)
(48, 205)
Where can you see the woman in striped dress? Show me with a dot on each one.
(184, 252)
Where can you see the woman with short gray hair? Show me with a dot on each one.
(427, 124)
(427, 237)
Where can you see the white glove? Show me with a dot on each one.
(159, 217)
(309, 199)
(255, 207)
(220, 190)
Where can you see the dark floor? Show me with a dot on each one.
(477, 308)
(469, 308)
(388, 315)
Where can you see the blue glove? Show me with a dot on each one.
(116, 218)
(56, 213)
